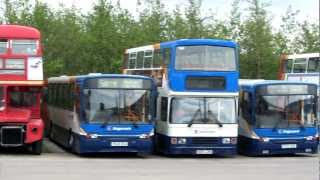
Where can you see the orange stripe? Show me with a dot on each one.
(22, 82)
(156, 46)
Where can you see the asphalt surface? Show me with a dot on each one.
(57, 164)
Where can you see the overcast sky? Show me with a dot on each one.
(309, 9)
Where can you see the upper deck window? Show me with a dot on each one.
(28, 47)
(132, 60)
(314, 65)
(3, 46)
(206, 58)
(15, 64)
(288, 65)
(299, 65)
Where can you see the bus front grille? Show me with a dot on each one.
(11, 135)
(287, 141)
(205, 140)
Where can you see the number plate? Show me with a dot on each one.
(288, 146)
(204, 152)
(119, 144)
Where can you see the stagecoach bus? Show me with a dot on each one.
(197, 81)
(21, 82)
(102, 113)
(277, 117)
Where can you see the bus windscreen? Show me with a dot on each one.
(205, 58)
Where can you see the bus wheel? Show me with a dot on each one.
(36, 148)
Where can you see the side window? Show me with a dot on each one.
(314, 65)
(246, 108)
(3, 46)
(140, 59)
(288, 66)
(164, 108)
(299, 65)
(125, 63)
(132, 60)
(147, 62)
(156, 58)
(166, 56)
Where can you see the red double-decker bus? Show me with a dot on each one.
(21, 82)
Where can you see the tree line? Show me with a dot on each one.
(77, 43)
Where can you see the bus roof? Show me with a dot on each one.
(305, 55)
(213, 42)
(257, 82)
(64, 79)
(184, 42)
(18, 31)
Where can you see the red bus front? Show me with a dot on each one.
(21, 83)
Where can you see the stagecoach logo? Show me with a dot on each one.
(286, 131)
(113, 128)
(35, 65)
(196, 131)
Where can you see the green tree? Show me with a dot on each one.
(308, 40)
(284, 38)
(257, 59)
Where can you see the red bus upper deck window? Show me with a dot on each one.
(3, 46)
(28, 47)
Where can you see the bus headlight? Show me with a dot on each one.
(182, 140)
(264, 139)
(312, 138)
(87, 135)
(226, 140)
(145, 136)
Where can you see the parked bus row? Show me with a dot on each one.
(176, 97)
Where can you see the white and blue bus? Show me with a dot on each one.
(198, 93)
(277, 117)
(102, 112)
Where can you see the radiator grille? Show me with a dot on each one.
(11, 135)
(205, 141)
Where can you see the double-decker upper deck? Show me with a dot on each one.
(20, 53)
(300, 67)
(187, 65)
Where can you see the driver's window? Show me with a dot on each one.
(164, 108)
(246, 107)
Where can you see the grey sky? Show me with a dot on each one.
(309, 9)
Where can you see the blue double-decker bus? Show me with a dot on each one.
(277, 117)
(197, 82)
(102, 113)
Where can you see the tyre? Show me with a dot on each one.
(36, 148)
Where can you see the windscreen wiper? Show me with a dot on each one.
(194, 117)
(215, 118)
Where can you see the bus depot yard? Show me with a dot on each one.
(181, 98)
(56, 163)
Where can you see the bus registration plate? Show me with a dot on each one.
(204, 152)
(117, 144)
(288, 146)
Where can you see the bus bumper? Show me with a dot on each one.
(85, 145)
(254, 147)
(197, 146)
